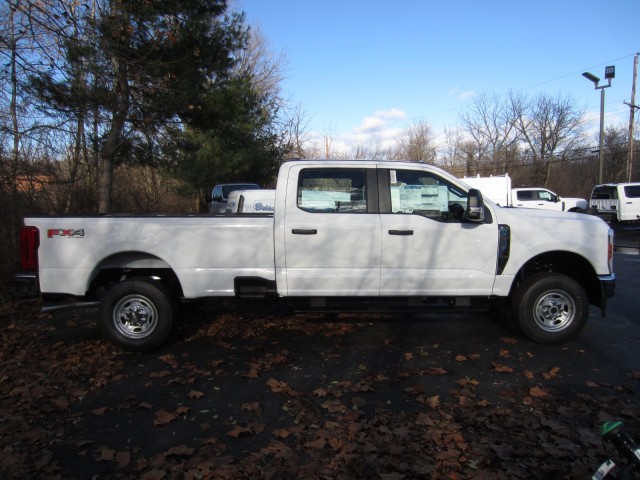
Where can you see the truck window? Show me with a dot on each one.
(425, 194)
(632, 191)
(331, 190)
(604, 192)
(545, 195)
(524, 195)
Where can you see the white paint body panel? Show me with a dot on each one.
(349, 255)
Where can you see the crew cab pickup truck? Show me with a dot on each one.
(343, 234)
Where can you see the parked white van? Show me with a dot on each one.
(621, 201)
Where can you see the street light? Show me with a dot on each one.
(609, 73)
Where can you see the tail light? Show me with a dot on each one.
(610, 251)
(29, 243)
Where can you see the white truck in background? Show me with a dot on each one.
(498, 189)
(220, 195)
(348, 234)
(251, 201)
(617, 201)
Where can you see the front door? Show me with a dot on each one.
(427, 246)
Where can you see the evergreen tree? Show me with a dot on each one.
(157, 80)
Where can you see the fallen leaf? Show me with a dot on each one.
(240, 431)
(537, 392)
(424, 420)
(106, 455)
(183, 410)
(320, 392)
(501, 368)
(180, 451)
(434, 371)
(163, 417)
(123, 459)
(195, 394)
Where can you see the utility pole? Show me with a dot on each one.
(609, 74)
(632, 108)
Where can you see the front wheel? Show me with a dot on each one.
(550, 307)
(137, 315)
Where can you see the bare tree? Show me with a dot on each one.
(549, 127)
(493, 130)
(264, 67)
(294, 133)
(452, 156)
(417, 143)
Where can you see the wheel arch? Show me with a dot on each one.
(132, 264)
(568, 263)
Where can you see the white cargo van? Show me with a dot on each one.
(620, 201)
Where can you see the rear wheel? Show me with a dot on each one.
(137, 315)
(550, 307)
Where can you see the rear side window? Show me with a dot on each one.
(525, 195)
(632, 191)
(604, 192)
(332, 190)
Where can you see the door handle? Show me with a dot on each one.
(401, 232)
(304, 231)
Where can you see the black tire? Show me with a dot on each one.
(550, 308)
(137, 315)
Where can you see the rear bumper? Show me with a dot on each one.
(24, 285)
(607, 288)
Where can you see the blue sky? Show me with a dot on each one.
(362, 70)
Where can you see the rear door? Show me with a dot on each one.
(331, 232)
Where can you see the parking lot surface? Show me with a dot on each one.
(264, 393)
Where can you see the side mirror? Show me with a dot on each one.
(475, 206)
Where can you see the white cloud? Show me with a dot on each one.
(458, 94)
(379, 131)
(370, 124)
(394, 113)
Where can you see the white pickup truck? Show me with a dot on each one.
(619, 202)
(343, 234)
(498, 189)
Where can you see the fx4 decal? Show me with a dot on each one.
(65, 232)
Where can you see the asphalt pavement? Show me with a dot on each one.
(627, 237)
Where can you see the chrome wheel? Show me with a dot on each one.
(135, 316)
(554, 310)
